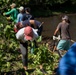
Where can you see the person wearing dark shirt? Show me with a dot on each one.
(35, 24)
(28, 16)
(63, 28)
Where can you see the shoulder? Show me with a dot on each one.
(19, 14)
(14, 10)
(59, 24)
(24, 14)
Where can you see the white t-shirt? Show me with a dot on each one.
(20, 35)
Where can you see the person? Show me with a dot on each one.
(28, 16)
(67, 64)
(12, 13)
(20, 15)
(24, 35)
(63, 28)
(35, 24)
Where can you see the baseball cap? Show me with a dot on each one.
(65, 17)
(21, 8)
(13, 4)
(28, 33)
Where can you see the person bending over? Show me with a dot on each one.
(23, 36)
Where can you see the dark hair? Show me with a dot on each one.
(27, 9)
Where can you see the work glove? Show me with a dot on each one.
(56, 37)
(4, 14)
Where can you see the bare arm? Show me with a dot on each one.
(56, 31)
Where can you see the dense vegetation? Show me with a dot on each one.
(10, 56)
(41, 8)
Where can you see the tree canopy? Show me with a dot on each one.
(37, 5)
(4, 3)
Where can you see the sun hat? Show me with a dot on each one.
(13, 4)
(21, 8)
(28, 33)
(65, 17)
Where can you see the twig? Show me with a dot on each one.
(72, 41)
(41, 24)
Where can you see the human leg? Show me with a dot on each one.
(67, 45)
(61, 47)
(24, 51)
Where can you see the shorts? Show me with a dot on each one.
(63, 45)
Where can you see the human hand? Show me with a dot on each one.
(8, 18)
(4, 14)
(54, 37)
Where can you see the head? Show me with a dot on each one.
(21, 9)
(66, 19)
(28, 33)
(27, 9)
(13, 5)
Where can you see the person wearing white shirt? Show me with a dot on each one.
(23, 35)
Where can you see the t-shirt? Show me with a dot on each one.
(37, 23)
(64, 30)
(19, 17)
(20, 35)
(26, 22)
(27, 17)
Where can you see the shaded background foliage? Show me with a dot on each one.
(40, 8)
